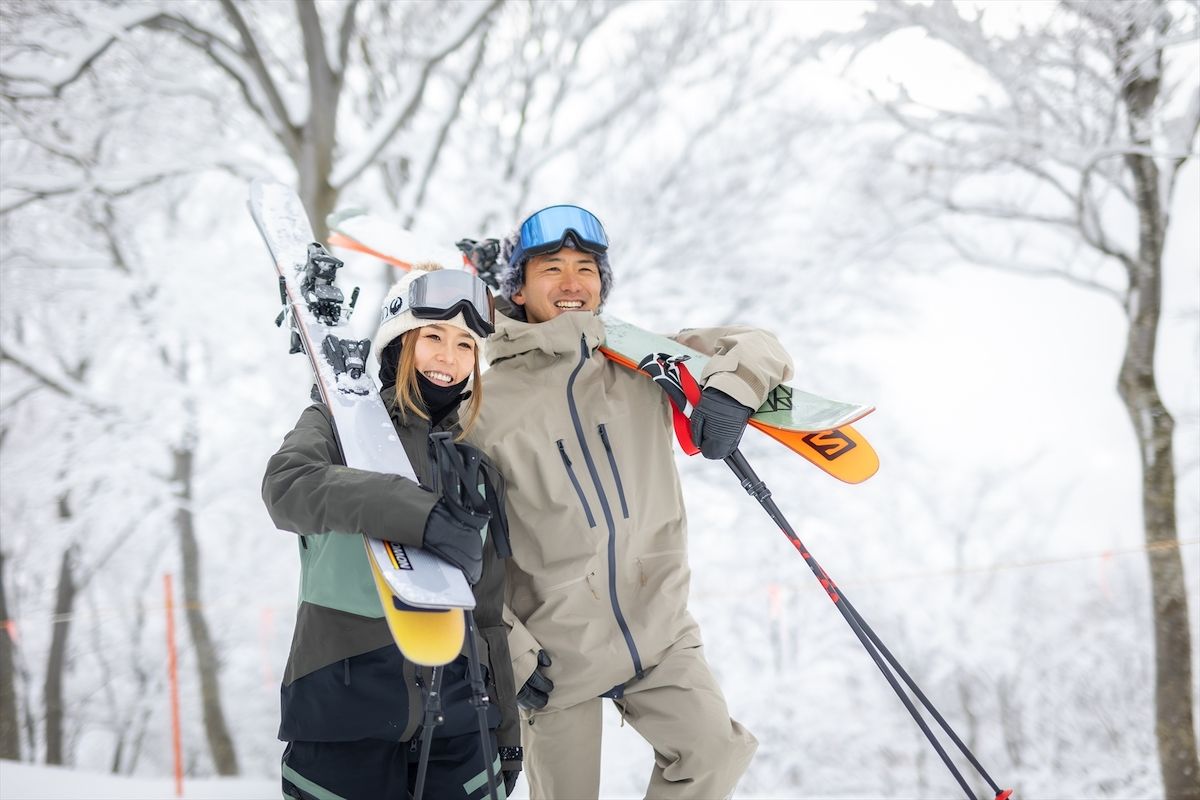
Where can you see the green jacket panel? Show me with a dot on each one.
(308, 490)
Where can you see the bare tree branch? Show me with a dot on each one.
(320, 76)
(1010, 264)
(62, 386)
(85, 59)
(444, 130)
(346, 31)
(285, 130)
(378, 138)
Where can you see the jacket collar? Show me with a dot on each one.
(420, 427)
(559, 336)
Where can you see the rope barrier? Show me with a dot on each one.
(10, 625)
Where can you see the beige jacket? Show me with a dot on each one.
(599, 574)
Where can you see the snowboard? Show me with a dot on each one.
(812, 426)
(422, 596)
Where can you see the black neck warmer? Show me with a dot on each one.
(440, 400)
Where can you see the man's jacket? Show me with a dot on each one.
(599, 575)
(345, 678)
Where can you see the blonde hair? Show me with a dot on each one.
(408, 391)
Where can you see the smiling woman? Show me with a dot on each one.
(351, 700)
(429, 364)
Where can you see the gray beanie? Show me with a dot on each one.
(512, 276)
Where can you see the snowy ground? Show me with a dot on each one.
(38, 782)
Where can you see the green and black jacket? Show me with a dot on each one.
(345, 679)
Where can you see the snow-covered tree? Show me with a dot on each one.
(127, 130)
(1087, 115)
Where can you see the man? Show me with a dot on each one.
(598, 582)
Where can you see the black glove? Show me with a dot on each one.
(455, 541)
(514, 756)
(510, 780)
(536, 691)
(717, 423)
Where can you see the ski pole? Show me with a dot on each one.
(479, 699)
(460, 471)
(433, 718)
(681, 389)
(757, 489)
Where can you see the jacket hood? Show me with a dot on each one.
(559, 336)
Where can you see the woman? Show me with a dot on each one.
(351, 703)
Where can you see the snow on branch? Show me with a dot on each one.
(444, 129)
(345, 33)
(282, 124)
(401, 110)
(116, 182)
(53, 80)
(59, 384)
(243, 64)
(1011, 264)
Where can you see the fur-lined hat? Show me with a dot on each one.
(512, 275)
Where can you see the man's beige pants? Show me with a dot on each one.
(699, 752)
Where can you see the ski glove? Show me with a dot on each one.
(454, 541)
(717, 423)
(510, 780)
(536, 691)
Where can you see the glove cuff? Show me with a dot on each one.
(512, 753)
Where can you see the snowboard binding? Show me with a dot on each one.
(484, 256)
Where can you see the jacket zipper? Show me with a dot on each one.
(608, 517)
(562, 451)
(612, 462)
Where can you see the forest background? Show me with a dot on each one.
(978, 216)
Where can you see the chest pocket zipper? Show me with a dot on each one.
(612, 462)
(587, 509)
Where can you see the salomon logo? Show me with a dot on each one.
(391, 309)
(830, 444)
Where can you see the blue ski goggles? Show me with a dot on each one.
(444, 293)
(547, 230)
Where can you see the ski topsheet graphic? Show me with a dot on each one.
(422, 596)
(812, 426)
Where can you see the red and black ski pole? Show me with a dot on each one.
(879, 653)
(681, 388)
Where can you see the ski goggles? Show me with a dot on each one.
(444, 293)
(547, 230)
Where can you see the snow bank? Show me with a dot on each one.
(38, 782)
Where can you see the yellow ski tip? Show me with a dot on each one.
(428, 638)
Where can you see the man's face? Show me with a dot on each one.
(555, 283)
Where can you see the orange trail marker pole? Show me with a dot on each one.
(173, 679)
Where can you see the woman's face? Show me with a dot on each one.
(445, 354)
